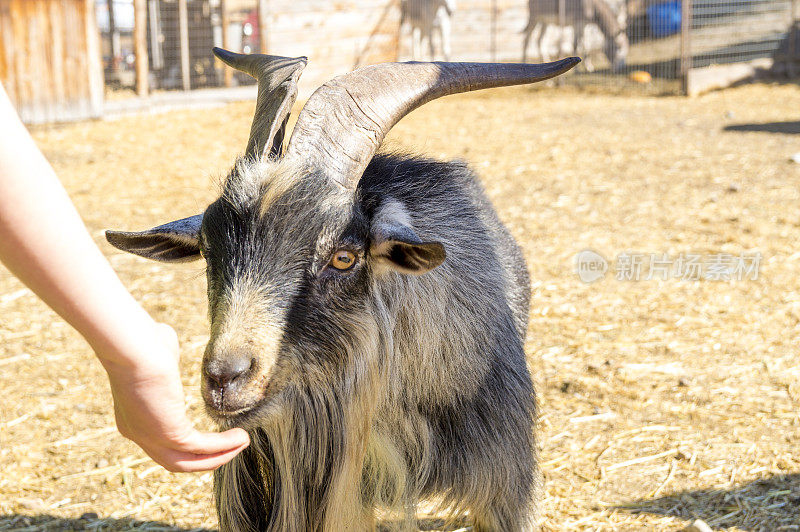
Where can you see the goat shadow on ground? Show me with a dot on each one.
(50, 523)
(427, 524)
(791, 127)
(771, 503)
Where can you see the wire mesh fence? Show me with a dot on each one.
(624, 43)
(115, 21)
(650, 44)
(165, 41)
(725, 31)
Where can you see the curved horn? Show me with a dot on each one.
(344, 122)
(277, 90)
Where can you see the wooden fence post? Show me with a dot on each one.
(263, 25)
(114, 36)
(140, 40)
(227, 72)
(94, 62)
(398, 28)
(686, 43)
(562, 22)
(493, 30)
(183, 29)
(794, 48)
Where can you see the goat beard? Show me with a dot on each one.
(309, 452)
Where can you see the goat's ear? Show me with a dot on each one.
(394, 243)
(176, 241)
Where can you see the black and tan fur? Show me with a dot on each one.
(393, 387)
(368, 390)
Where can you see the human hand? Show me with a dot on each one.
(57, 258)
(150, 410)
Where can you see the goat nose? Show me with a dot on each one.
(226, 370)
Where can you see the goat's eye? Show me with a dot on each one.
(343, 260)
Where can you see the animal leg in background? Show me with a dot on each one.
(444, 31)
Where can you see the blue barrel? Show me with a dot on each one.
(664, 18)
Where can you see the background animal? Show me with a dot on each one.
(368, 312)
(426, 18)
(586, 27)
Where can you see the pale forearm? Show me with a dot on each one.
(44, 242)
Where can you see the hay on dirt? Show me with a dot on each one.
(661, 401)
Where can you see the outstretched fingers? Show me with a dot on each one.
(201, 451)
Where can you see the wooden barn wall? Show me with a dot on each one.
(335, 36)
(49, 59)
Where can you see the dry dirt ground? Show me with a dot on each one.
(662, 401)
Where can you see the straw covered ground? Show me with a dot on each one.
(662, 401)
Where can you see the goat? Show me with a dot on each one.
(425, 17)
(368, 312)
(571, 32)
